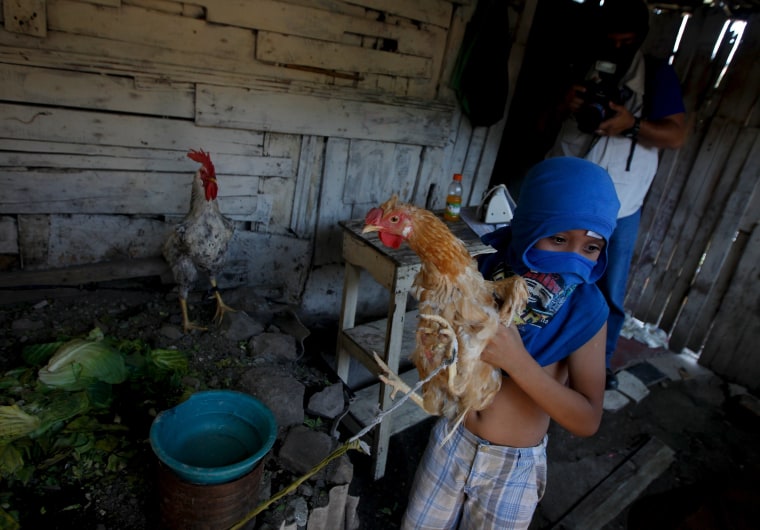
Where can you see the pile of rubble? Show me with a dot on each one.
(307, 434)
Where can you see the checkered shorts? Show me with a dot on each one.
(470, 483)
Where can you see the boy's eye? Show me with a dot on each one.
(594, 249)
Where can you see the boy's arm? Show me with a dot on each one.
(576, 406)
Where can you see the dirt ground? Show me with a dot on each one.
(712, 479)
(126, 497)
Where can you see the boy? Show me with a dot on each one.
(492, 472)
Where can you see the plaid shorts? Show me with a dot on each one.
(470, 483)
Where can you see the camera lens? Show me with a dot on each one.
(589, 116)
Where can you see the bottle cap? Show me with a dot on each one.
(457, 176)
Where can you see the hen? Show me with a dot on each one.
(459, 311)
(200, 242)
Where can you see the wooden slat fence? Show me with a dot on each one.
(695, 269)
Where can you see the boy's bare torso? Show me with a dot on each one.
(514, 419)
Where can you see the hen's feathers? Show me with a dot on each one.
(449, 285)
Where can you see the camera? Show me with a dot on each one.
(601, 88)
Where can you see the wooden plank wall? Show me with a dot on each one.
(695, 269)
(313, 112)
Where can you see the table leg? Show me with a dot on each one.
(348, 315)
(392, 355)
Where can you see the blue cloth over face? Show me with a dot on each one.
(558, 194)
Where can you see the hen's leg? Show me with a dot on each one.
(391, 379)
(186, 323)
(221, 307)
(440, 339)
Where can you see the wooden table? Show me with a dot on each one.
(395, 270)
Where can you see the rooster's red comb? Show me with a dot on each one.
(202, 157)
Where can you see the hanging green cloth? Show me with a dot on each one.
(481, 77)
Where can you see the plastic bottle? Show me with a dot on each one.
(454, 199)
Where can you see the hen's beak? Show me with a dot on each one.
(371, 220)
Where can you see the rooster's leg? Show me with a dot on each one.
(394, 381)
(186, 323)
(221, 307)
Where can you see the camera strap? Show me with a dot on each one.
(595, 138)
(634, 141)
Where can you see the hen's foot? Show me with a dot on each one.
(392, 379)
(187, 324)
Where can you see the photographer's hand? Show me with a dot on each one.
(574, 98)
(621, 121)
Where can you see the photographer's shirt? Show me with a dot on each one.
(632, 177)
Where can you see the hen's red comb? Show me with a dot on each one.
(204, 158)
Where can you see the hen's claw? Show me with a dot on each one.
(392, 379)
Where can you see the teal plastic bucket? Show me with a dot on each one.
(213, 437)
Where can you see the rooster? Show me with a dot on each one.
(200, 241)
(459, 311)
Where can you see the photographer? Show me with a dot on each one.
(619, 116)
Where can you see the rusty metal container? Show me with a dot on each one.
(187, 506)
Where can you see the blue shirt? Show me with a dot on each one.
(666, 97)
(581, 315)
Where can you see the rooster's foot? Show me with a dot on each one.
(221, 309)
(187, 324)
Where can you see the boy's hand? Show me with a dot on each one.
(503, 347)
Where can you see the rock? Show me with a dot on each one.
(289, 323)
(631, 386)
(239, 326)
(340, 470)
(614, 400)
(282, 393)
(328, 403)
(297, 511)
(303, 449)
(26, 324)
(334, 514)
(171, 332)
(274, 346)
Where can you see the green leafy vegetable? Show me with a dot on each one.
(169, 360)
(79, 363)
(15, 423)
(38, 354)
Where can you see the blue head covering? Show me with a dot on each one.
(559, 194)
